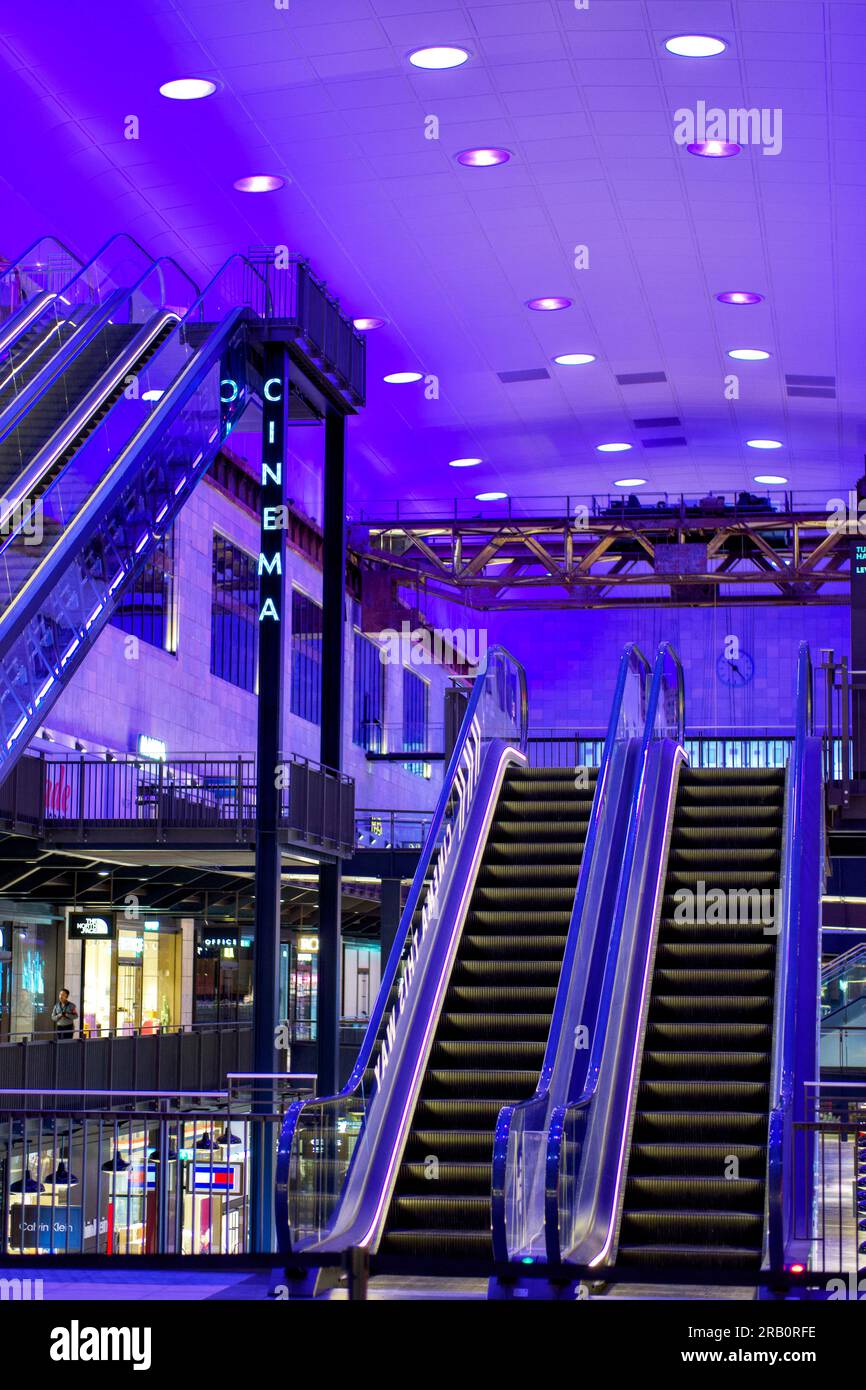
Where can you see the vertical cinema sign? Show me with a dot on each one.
(272, 542)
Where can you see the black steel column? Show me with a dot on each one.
(333, 634)
(392, 907)
(857, 545)
(266, 949)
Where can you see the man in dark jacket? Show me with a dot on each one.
(63, 1016)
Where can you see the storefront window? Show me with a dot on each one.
(97, 1013)
(223, 975)
(26, 978)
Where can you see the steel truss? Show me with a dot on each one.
(790, 557)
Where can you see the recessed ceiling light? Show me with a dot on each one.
(612, 448)
(629, 482)
(367, 325)
(259, 183)
(152, 395)
(574, 359)
(463, 463)
(769, 479)
(548, 302)
(695, 46)
(714, 149)
(401, 378)
(490, 496)
(749, 354)
(764, 443)
(483, 158)
(739, 297)
(187, 89)
(438, 57)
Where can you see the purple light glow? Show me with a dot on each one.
(483, 158)
(714, 149)
(259, 183)
(547, 303)
(739, 297)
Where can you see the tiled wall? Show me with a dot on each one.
(571, 659)
(117, 695)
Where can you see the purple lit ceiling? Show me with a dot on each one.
(321, 93)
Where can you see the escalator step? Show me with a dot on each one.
(740, 931)
(697, 1158)
(541, 920)
(522, 874)
(472, 1145)
(541, 946)
(506, 972)
(725, 1007)
(517, 852)
(505, 997)
(485, 1051)
(464, 1245)
(709, 1034)
(686, 953)
(696, 1063)
(740, 1229)
(562, 830)
(653, 1256)
(494, 1025)
(476, 1083)
(441, 1213)
(719, 981)
(704, 1095)
(464, 1113)
(473, 1179)
(694, 1193)
(517, 897)
(705, 1126)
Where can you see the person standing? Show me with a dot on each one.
(63, 1016)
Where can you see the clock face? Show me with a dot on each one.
(735, 671)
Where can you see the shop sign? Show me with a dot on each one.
(41, 1228)
(82, 928)
(216, 1177)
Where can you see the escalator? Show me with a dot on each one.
(490, 1039)
(703, 1094)
(66, 394)
(29, 353)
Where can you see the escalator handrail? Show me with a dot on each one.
(14, 265)
(839, 964)
(653, 727)
(405, 929)
(78, 532)
(780, 1194)
(30, 476)
(632, 659)
(86, 331)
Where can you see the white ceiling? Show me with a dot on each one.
(322, 93)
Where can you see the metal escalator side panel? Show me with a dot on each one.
(13, 501)
(791, 1189)
(596, 1207)
(370, 1181)
(519, 1163)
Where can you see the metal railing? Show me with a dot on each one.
(844, 728)
(582, 508)
(143, 1172)
(189, 1058)
(293, 294)
(79, 793)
